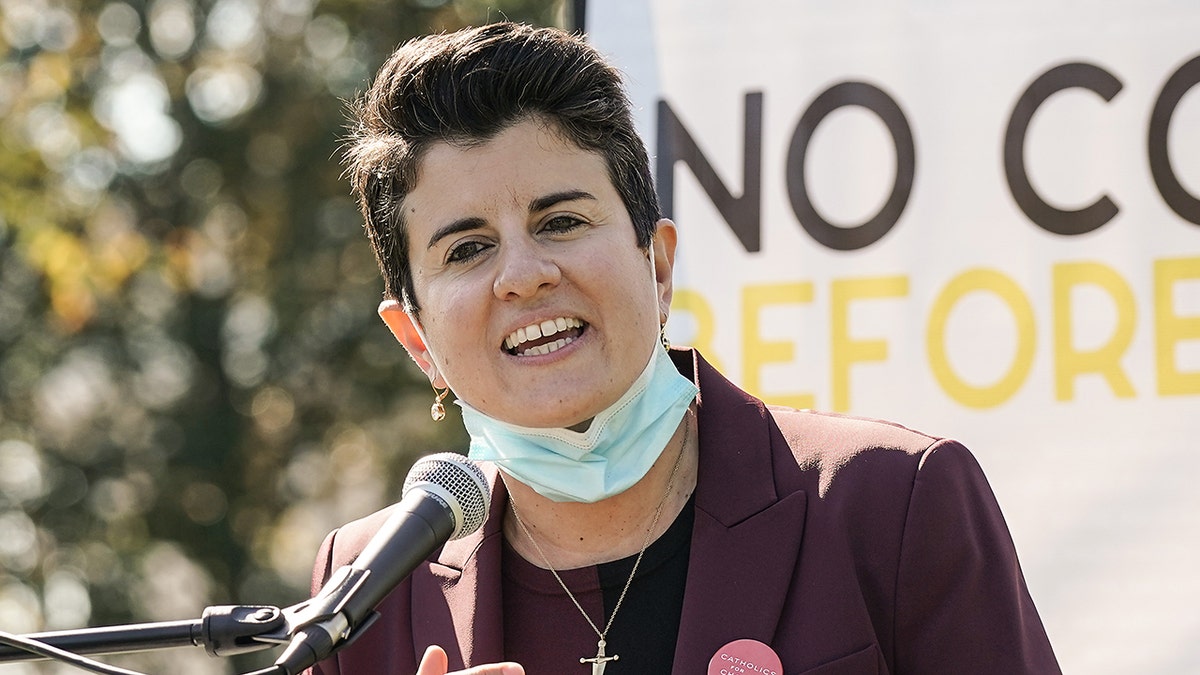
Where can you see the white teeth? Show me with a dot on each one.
(543, 329)
(549, 347)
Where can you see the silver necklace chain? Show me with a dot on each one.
(600, 659)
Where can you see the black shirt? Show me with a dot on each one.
(544, 631)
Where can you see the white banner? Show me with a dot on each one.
(978, 219)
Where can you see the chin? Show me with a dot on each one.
(556, 422)
(568, 410)
(552, 420)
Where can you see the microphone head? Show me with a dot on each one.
(458, 482)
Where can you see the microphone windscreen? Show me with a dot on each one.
(458, 481)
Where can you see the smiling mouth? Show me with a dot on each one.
(538, 339)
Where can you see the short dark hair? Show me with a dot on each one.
(464, 88)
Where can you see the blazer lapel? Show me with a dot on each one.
(748, 529)
(745, 543)
(458, 603)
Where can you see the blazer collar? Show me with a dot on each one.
(458, 604)
(745, 541)
(749, 522)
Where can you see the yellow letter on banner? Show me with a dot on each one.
(757, 352)
(693, 303)
(847, 351)
(1070, 363)
(935, 340)
(1171, 328)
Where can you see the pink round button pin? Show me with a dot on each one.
(745, 657)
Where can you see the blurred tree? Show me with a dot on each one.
(193, 385)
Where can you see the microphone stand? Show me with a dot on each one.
(226, 630)
(318, 627)
(222, 631)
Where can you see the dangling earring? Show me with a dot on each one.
(662, 336)
(438, 411)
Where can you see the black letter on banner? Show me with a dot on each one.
(1172, 191)
(742, 214)
(877, 101)
(1045, 216)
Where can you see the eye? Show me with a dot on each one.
(466, 251)
(561, 224)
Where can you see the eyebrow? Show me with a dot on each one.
(535, 205)
(543, 203)
(460, 225)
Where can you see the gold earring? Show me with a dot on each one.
(438, 411)
(662, 336)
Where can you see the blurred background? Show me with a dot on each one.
(194, 387)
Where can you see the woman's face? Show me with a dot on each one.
(537, 306)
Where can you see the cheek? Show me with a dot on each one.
(460, 326)
(641, 289)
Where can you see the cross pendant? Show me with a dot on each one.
(600, 661)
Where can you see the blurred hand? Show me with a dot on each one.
(434, 662)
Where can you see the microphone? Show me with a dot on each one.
(445, 497)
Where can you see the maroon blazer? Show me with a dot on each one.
(847, 545)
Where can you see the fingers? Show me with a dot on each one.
(435, 662)
(493, 669)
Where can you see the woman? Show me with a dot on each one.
(647, 516)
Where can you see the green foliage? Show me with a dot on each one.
(194, 387)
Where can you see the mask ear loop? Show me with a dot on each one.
(662, 322)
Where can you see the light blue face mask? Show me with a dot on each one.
(617, 450)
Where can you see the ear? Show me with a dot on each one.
(662, 247)
(408, 332)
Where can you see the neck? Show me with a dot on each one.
(574, 534)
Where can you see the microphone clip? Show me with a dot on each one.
(319, 627)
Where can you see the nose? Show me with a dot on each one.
(525, 269)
